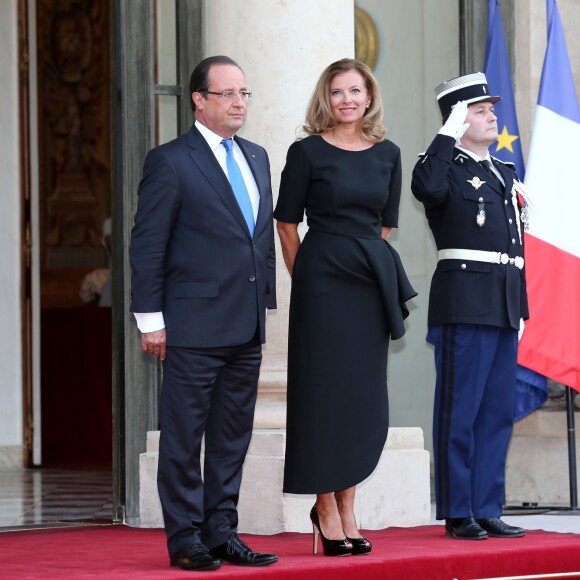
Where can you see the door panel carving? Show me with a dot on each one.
(74, 143)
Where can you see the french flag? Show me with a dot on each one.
(551, 341)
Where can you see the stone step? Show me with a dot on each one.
(396, 494)
(537, 462)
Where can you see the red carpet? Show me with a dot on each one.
(399, 554)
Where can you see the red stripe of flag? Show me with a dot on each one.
(551, 341)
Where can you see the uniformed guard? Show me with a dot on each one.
(475, 206)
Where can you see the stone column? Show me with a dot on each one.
(282, 47)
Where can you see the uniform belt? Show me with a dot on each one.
(480, 256)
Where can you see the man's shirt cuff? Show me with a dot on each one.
(149, 321)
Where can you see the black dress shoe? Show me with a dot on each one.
(498, 529)
(236, 552)
(464, 529)
(194, 557)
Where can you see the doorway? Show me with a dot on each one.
(74, 208)
(65, 152)
(99, 99)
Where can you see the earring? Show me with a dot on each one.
(368, 104)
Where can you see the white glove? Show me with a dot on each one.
(455, 126)
(521, 330)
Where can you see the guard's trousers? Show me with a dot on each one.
(473, 417)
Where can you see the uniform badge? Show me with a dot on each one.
(476, 182)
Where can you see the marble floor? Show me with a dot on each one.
(31, 498)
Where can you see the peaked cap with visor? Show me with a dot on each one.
(470, 88)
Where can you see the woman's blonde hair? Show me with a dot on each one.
(319, 116)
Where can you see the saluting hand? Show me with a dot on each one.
(455, 126)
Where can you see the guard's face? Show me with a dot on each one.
(222, 116)
(482, 125)
(348, 97)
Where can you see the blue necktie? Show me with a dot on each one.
(238, 185)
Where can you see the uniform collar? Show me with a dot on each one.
(474, 156)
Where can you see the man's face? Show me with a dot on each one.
(482, 130)
(218, 114)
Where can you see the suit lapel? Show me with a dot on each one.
(203, 157)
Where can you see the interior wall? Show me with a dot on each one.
(11, 427)
(418, 49)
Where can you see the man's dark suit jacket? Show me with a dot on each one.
(192, 255)
(447, 182)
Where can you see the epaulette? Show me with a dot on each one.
(508, 163)
(423, 156)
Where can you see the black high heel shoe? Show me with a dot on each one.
(329, 547)
(360, 546)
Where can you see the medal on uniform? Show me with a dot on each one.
(525, 217)
(522, 203)
(480, 218)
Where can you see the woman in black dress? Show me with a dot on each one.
(348, 297)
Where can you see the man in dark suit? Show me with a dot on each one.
(475, 209)
(203, 275)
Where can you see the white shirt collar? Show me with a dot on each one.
(213, 139)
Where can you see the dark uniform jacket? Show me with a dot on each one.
(449, 184)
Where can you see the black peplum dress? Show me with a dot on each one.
(348, 298)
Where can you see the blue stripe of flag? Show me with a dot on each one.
(557, 91)
(497, 71)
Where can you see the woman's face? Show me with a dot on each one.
(348, 97)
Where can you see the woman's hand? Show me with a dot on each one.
(290, 243)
